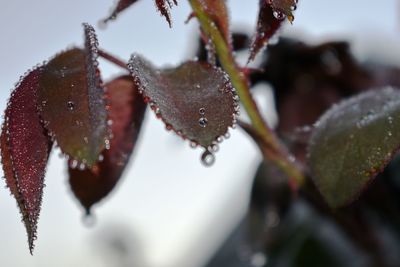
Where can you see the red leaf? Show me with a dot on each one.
(164, 6)
(270, 17)
(218, 13)
(127, 110)
(121, 6)
(72, 102)
(25, 148)
(195, 99)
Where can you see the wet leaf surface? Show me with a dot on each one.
(353, 142)
(126, 113)
(121, 6)
(72, 102)
(195, 99)
(25, 150)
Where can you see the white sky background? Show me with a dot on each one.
(176, 210)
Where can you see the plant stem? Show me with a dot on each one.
(113, 59)
(240, 82)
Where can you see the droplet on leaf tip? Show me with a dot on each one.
(89, 219)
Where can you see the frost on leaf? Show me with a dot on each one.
(126, 114)
(195, 99)
(353, 142)
(72, 102)
(25, 149)
(271, 15)
(121, 6)
(164, 7)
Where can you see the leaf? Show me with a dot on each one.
(72, 102)
(218, 13)
(195, 99)
(25, 149)
(164, 6)
(353, 142)
(283, 8)
(121, 6)
(270, 17)
(127, 110)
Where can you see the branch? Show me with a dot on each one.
(240, 82)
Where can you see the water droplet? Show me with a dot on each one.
(101, 157)
(107, 144)
(213, 148)
(207, 158)
(389, 133)
(82, 166)
(227, 135)
(202, 111)
(86, 140)
(70, 105)
(258, 259)
(279, 15)
(193, 144)
(203, 122)
(73, 164)
(88, 219)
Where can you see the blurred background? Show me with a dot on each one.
(168, 210)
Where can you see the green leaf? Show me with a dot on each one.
(353, 142)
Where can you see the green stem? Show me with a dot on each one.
(240, 82)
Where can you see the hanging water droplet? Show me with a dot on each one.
(202, 111)
(86, 140)
(220, 139)
(227, 135)
(71, 105)
(207, 158)
(258, 259)
(101, 157)
(88, 219)
(203, 122)
(389, 133)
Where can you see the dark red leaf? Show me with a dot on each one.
(218, 13)
(72, 102)
(283, 8)
(195, 99)
(126, 113)
(121, 6)
(25, 148)
(164, 6)
(270, 17)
